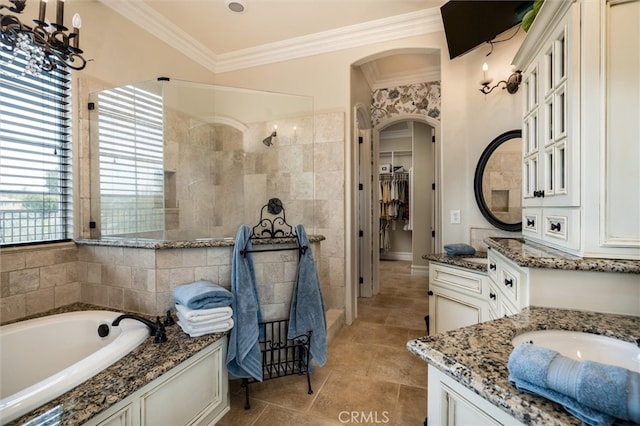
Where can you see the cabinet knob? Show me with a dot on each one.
(492, 266)
(556, 226)
(430, 293)
(508, 282)
(492, 296)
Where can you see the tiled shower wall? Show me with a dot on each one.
(36, 279)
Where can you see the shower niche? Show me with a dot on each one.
(175, 160)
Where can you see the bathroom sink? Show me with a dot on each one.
(585, 346)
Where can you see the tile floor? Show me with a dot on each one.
(369, 377)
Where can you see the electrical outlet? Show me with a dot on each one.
(455, 216)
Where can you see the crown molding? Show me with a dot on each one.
(155, 23)
(391, 28)
(422, 75)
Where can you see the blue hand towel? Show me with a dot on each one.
(459, 249)
(202, 295)
(594, 392)
(307, 305)
(243, 355)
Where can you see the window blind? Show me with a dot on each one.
(130, 135)
(35, 154)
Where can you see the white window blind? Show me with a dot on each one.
(35, 154)
(130, 135)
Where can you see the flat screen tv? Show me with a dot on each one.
(469, 23)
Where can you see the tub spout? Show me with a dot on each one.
(156, 329)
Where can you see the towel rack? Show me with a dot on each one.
(275, 227)
(281, 356)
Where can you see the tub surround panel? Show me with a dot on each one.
(163, 265)
(477, 356)
(532, 255)
(143, 365)
(37, 278)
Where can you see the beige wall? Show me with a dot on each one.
(123, 54)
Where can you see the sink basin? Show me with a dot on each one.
(585, 346)
(481, 260)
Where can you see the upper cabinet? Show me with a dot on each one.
(581, 155)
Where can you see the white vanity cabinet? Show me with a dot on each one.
(457, 297)
(196, 392)
(580, 63)
(451, 404)
(509, 285)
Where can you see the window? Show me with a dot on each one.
(130, 132)
(35, 154)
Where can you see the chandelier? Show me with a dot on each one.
(45, 46)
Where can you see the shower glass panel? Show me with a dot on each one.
(176, 160)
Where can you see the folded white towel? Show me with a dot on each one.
(195, 315)
(221, 327)
(203, 324)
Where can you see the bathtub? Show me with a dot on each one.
(45, 357)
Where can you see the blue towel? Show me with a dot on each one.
(459, 249)
(243, 355)
(202, 295)
(596, 393)
(307, 305)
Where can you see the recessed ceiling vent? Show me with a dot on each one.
(237, 6)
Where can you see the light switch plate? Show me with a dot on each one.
(455, 216)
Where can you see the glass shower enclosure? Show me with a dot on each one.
(176, 160)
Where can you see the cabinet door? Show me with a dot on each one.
(551, 158)
(449, 311)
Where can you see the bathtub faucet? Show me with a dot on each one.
(156, 329)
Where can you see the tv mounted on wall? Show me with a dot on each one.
(469, 23)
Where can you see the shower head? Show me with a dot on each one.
(268, 141)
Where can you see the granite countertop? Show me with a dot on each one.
(532, 255)
(476, 356)
(197, 243)
(141, 366)
(462, 261)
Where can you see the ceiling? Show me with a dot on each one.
(276, 30)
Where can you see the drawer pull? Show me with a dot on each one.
(492, 266)
(556, 226)
(508, 282)
(492, 296)
(531, 223)
(538, 194)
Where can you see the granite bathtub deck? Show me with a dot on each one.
(140, 367)
(477, 356)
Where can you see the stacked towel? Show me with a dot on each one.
(202, 295)
(203, 308)
(198, 322)
(459, 249)
(597, 394)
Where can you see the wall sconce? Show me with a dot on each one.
(511, 84)
(269, 140)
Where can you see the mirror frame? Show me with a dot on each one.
(477, 182)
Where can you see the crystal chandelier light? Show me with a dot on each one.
(46, 45)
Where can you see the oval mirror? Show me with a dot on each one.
(498, 182)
